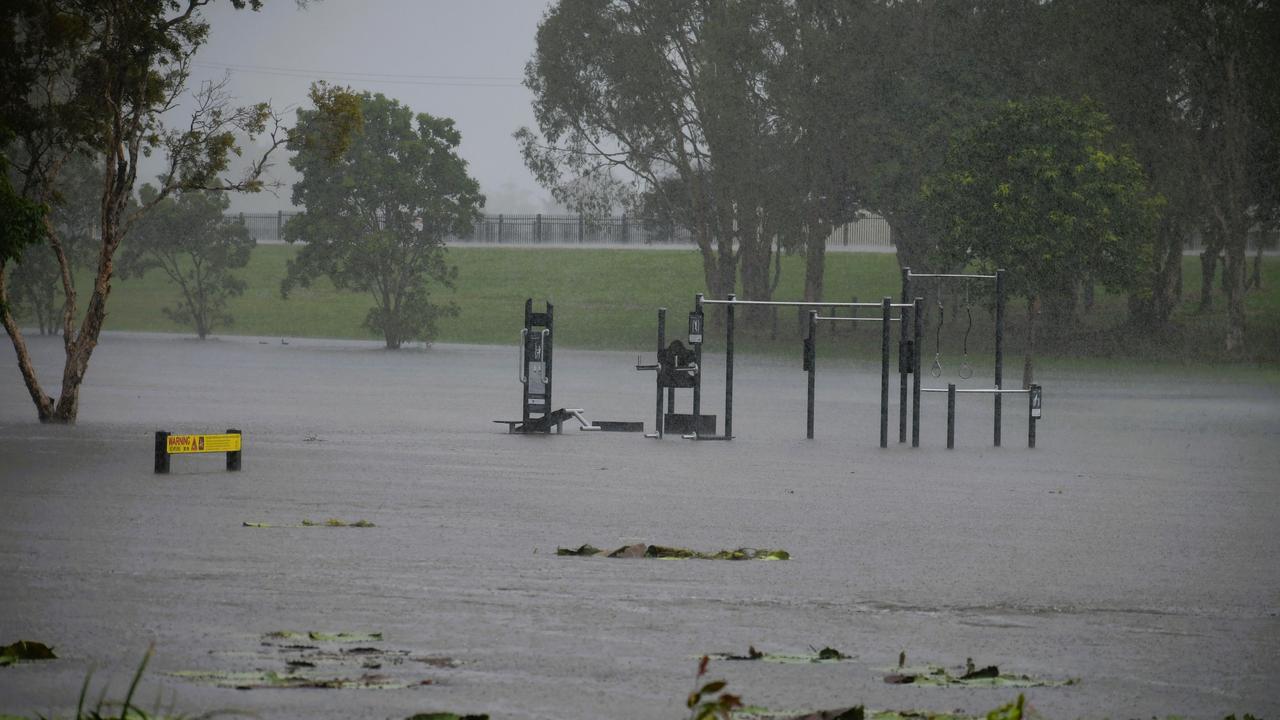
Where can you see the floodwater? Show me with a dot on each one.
(1134, 549)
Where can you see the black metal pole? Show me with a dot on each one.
(728, 370)
(547, 354)
(1031, 418)
(524, 362)
(662, 342)
(697, 385)
(233, 457)
(951, 416)
(902, 348)
(916, 332)
(162, 452)
(885, 312)
(999, 349)
(812, 352)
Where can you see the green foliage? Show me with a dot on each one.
(23, 219)
(36, 280)
(378, 211)
(96, 79)
(192, 242)
(1041, 190)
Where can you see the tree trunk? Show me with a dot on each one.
(43, 403)
(1208, 263)
(1028, 362)
(1234, 275)
(815, 261)
(1255, 278)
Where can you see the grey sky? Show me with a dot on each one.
(475, 49)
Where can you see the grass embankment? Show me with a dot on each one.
(607, 299)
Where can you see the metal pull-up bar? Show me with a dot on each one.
(998, 277)
(811, 361)
(886, 305)
(796, 303)
(1033, 408)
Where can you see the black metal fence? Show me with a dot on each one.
(503, 229)
(576, 230)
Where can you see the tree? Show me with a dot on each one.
(35, 280)
(189, 238)
(378, 213)
(23, 221)
(1041, 190)
(668, 95)
(1228, 67)
(96, 79)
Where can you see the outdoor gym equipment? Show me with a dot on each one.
(535, 373)
(677, 368)
(811, 358)
(168, 444)
(1034, 398)
(966, 370)
(732, 302)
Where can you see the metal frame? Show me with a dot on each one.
(1033, 393)
(998, 278)
(731, 302)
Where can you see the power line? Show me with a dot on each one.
(483, 81)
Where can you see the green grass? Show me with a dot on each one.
(607, 299)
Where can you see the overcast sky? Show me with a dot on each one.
(461, 59)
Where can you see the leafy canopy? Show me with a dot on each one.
(1041, 189)
(190, 239)
(378, 211)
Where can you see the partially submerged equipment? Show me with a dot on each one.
(537, 343)
(678, 368)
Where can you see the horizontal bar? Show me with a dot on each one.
(782, 303)
(987, 391)
(945, 275)
(856, 319)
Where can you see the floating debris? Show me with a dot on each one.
(446, 716)
(336, 660)
(339, 637)
(331, 522)
(1013, 711)
(825, 655)
(662, 552)
(25, 651)
(272, 680)
(971, 676)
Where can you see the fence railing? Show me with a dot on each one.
(503, 229)
(539, 229)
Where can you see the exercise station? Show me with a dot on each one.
(678, 365)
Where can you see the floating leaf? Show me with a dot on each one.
(25, 651)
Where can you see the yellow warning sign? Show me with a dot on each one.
(178, 444)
